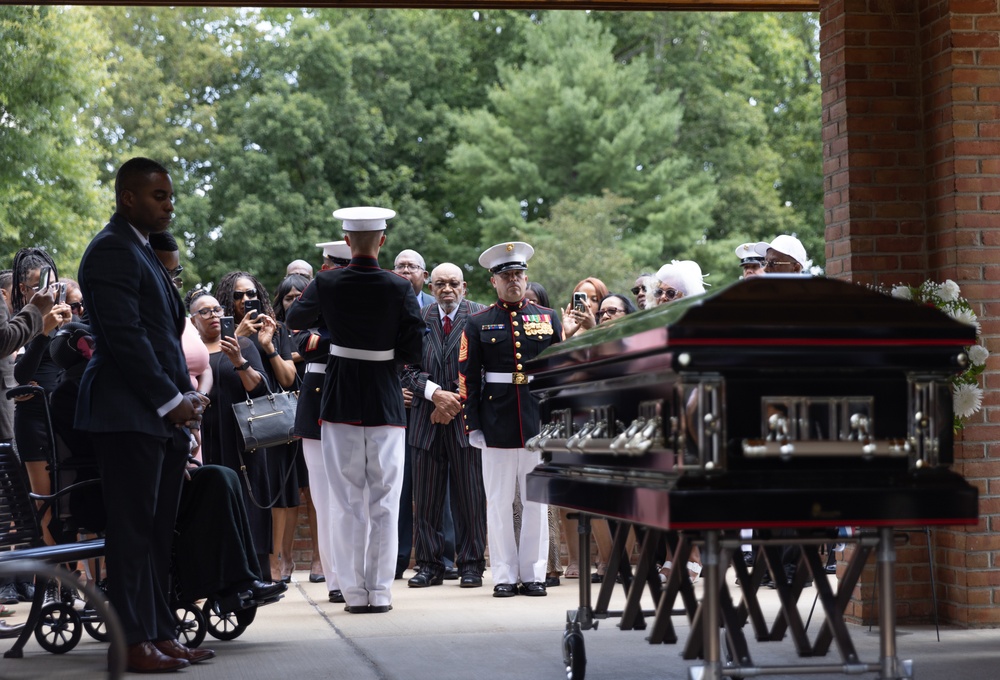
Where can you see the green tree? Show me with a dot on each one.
(571, 121)
(51, 77)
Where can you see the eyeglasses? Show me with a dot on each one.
(406, 267)
(76, 307)
(768, 264)
(251, 293)
(636, 290)
(175, 272)
(441, 285)
(609, 311)
(669, 293)
(209, 312)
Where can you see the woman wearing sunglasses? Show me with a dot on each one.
(247, 301)
(675, 280)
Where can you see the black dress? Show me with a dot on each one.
(282, 472)
(220, 439)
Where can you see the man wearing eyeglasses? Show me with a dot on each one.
(410, 265)
(784, 255)
(441, 450)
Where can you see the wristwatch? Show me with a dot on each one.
(244, 366)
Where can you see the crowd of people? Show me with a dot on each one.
(414, 409)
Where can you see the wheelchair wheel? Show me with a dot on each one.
(59, 629)
(94, 625)
(191, 627)
(221, 626)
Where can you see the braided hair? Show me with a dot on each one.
(227, 285)
(290, 282)
(26, 260)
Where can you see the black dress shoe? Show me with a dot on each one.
(504, 590)
(337, 596)
(470, 579)
(10, 631)
(317, 578)
(551, 581)
(356, 608)
(426, 577)
(379, 608)
(533, 589)
(450, 574)
(261, 590)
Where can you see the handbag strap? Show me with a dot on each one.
(284, 479)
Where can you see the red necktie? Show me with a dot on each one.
(447, 325)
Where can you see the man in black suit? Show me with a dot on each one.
(136, 401)
(374, 323)
(440, 446)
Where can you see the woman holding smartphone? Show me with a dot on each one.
(34, 270)
(237, 371)
(246, 300)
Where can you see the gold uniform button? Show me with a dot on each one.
(493, 339)
(490, 398)
(466, 417)
(517, 356)
(513, 315)
(319, 389)
(519, 367)
(517, 334)
(517, 344)
(514, 323)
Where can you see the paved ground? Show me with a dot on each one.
(448, 633)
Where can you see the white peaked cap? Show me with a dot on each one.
(337, 250)
(364, 218)
(506, 256)
(748, 253)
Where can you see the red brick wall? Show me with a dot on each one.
(911, 133)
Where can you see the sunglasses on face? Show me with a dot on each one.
(668, 293)
(770, 264)
(176, 271)
(209, 312)
(636, 290)
(250, 294)
(609, 311)
(76, 307)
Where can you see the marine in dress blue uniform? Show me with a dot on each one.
(313, 345)
(374, 322)
(500, 415)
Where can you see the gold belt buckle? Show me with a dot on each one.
(519, 378)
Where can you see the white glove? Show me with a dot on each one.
(477, 439)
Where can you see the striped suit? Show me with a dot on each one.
(442, 452)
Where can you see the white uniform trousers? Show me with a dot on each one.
(512, 561)
(365, 471)
(319, 491)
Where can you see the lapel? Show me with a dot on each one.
(159, 273)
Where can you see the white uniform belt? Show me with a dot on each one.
(508, 378)
(362, 354)
(316, 367)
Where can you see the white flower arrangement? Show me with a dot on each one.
(967, 395)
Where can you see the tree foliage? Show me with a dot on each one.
(612, 141)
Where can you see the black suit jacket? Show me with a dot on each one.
(137, 318)
(365, 308)
(439, 364)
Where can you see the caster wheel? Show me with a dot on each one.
(59, 629)
(574, 656)
(191, 626)
(221, 626)
(94, 624)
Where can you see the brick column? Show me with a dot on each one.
(911, 134)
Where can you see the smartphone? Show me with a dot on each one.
(580, 302)
(252, 306)
(228, 327)
(44, 278)
(61, 298)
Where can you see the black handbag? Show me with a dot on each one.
(268, 420)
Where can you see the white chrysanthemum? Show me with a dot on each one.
(966, 400)
(978, 355)
(902, 292)
(949, 291)
(965, 316)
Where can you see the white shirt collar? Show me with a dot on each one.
(445, 314)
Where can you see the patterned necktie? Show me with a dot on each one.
(447, 325)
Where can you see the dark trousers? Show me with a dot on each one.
(445, 468)
(141, 476)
